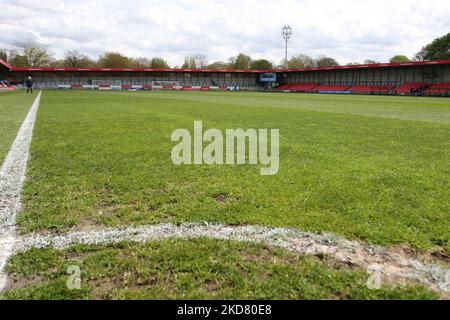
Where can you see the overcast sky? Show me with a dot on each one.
(349, 30)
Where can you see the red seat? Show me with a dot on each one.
(371, 89)
(300, 87)
(303, 87)
(408, 88)
(331, 88)
(284, 87)
(437, 88)
(440, 86)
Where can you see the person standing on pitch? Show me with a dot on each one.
(29, 85)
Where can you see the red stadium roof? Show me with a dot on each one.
(141, 70)
(362, 66)
(371, 66)
(3, 63)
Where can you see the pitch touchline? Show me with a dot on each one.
(12, 176)
(392, 265)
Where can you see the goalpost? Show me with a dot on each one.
(166, 85)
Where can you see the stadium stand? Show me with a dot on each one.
(284, 87)
(409, 88)
(437, 89)
(332, 88)
(312, 87)
(412, 78)
(5, 86)
(299, 87)
(365, 89)
(6, 65)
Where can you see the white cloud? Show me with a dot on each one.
(349, 30)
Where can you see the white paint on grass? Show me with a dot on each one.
(393, 265)
(12, 176)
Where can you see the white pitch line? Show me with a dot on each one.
(12, 176)
(393, 265)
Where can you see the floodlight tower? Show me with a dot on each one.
(286, 33)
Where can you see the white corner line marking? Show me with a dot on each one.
(392, 264)
(12, 176)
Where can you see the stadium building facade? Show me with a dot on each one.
(429, 78)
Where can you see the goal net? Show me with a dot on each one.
(165, 85)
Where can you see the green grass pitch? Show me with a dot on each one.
(13, 109)
(370, 168)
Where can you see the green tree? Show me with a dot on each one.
(74, 59)
(241, 62)
(189, 63)
(60, 63)
(368, 61)
(17, 60)
(439, 49)
(4, 55)
(301, 61)
(261, 64)
(159, 63)
(114, 60)
(30, 55)
(141, 62)
(399, 58)
(324, 61)
(197, 61)
(218, 65)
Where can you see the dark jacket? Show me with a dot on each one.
(29, 83)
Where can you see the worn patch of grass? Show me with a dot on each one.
(13, 109)
(200, 269)
(376, 169)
